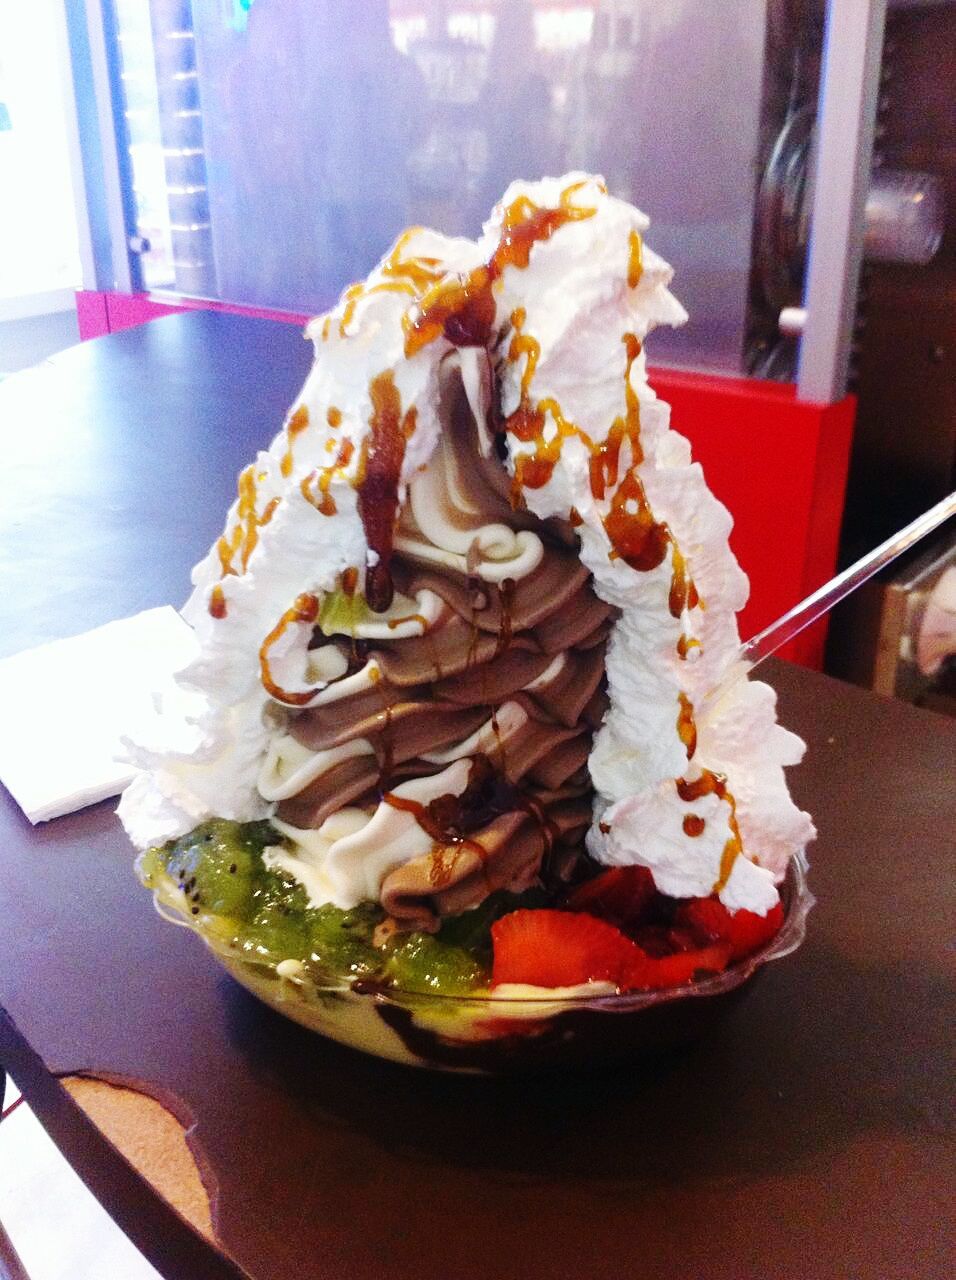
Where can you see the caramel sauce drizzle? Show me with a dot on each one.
(411, 617)
(522, 344)
(635, 536)
(605, 457)
(575, 519)
(226, 547)
(568, 192)
(297, 424)
(533, 470)
(693, 824)
(245, 532)
(217, 602)
(350, 582)
(686, 726)
(732, 849)
(683, 592)
(356, 292)
(350, 297)
(315, 486)
(463, 308)
(334, 416)
(685, 644)
(421, 273)
(393, 286)
(710, 783)
(635, 260)
(528, 421)
(305, 609)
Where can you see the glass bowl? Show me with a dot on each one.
(518, 1029)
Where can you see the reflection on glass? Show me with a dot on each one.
(329, 125)
(164, 128)
(141, 115)
(39, 249)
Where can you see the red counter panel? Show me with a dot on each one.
(779, 464)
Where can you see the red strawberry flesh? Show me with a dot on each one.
(547, 948)
(564, 948)
(654, 973)
(745, 932)
(621, 895)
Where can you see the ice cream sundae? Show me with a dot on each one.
(460, 723)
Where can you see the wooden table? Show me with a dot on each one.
(810, 1137)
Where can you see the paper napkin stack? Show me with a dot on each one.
(65, 706)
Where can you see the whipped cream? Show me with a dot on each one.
(688, 765)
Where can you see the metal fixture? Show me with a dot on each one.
(819, 216)
(792, 321)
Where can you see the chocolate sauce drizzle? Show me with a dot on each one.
(380, 467)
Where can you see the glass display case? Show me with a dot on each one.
(40, 246)
(265, 153)
(279, 146)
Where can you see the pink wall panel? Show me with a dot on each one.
(91, 314)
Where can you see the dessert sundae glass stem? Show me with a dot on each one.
(824, 598)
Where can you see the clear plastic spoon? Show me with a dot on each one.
(804, 614)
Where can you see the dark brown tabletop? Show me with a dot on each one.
(810, 1136)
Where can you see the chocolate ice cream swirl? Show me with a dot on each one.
(486, 676)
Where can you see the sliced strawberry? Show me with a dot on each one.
(653, 973)
(558, 949)
(654, 938)
(745, 931)
(681, 939)
(663, 940)
(620, 895)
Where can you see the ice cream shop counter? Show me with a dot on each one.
(800, 1132)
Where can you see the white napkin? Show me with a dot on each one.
(64, 707)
